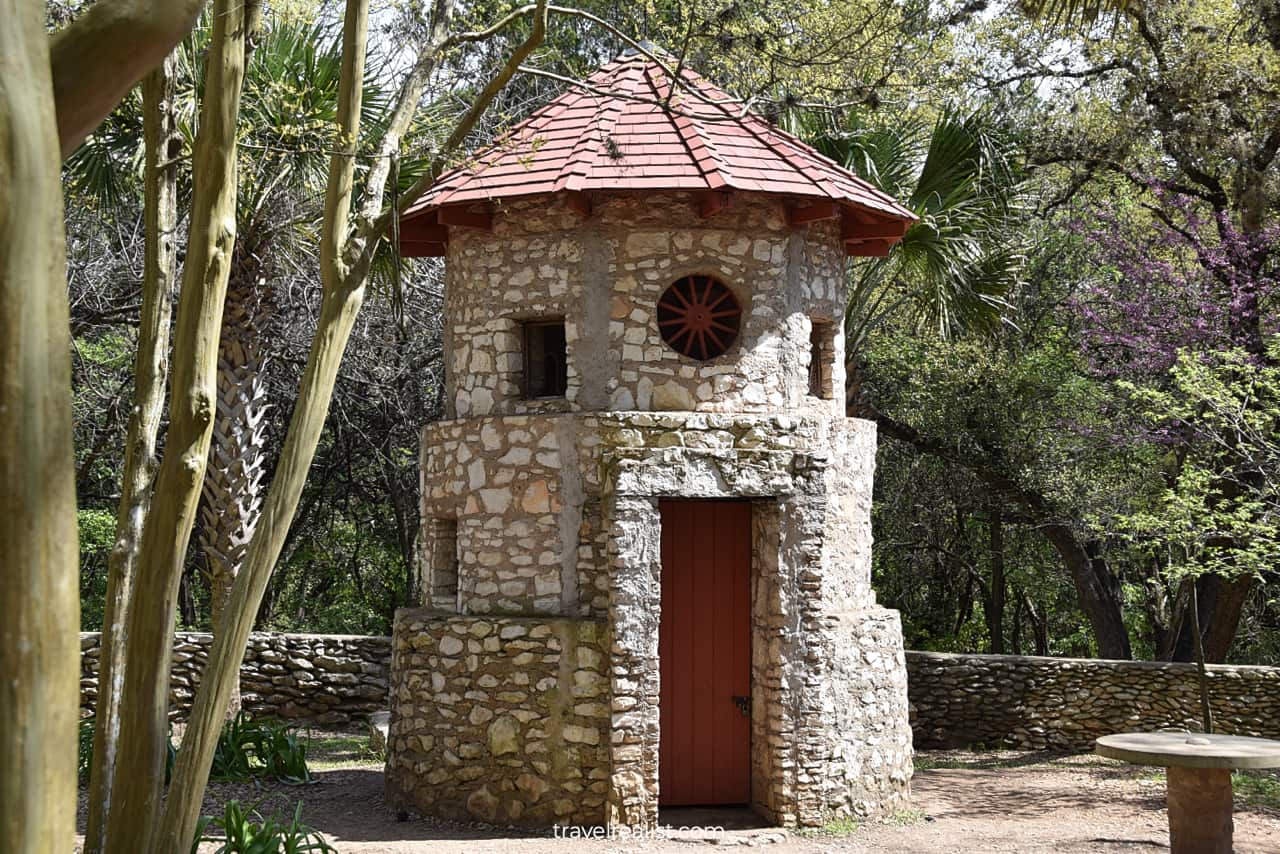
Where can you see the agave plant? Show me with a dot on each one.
(243, 830)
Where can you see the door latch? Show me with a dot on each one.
(744, 705)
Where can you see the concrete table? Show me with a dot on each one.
(1199, 779)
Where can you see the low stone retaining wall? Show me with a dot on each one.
(328, 679)
(956, 700)
(1065, 703)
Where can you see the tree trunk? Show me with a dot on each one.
(339, 306)
(1221, 601)
(344, 270)
(137, 784)
(98, 57)
(233, 482)
(1097, 589)
(1230, 596)
(151, 366)
(39, 591)
(994, 606)
(1039, 625)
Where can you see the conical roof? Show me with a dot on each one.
(619, 132)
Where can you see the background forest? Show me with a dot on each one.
(1072, 358)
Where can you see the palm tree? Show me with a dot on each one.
(290, 103)
(953, 268)
(287, 114)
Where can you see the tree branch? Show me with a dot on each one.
(1042, 72)
(360, 250)
(98, 57)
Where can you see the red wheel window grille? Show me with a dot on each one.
(699, 317)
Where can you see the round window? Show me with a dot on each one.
(699, 317)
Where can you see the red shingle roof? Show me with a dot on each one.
(620, 137)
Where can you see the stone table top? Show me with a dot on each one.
(1190, 750)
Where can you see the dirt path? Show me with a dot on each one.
(962, 802)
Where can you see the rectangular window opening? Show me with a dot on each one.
(821, 358)
(546, 370)
(444, 563)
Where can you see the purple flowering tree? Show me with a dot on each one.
(1187, 279)
(1181, 286)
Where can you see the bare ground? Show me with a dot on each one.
(961, 802)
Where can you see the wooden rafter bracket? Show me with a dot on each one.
(578, 202)
(868, 248)
(422, 236)
(422, 249)
(812, 212)
(466, 216)
(860, 227)
(422, 231)
(712, 202)
(869, 236)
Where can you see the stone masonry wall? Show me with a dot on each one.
(956, 700)
(829, 700)
(1064, 703)
(603, 276)
(524, 495)
(502, 719)
(328, 679)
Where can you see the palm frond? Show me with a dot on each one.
(1076, 12)
(953, 269)
(109, 161)
(887, 156)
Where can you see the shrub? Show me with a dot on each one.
(248, 749)
(84, 757)
(245, 831)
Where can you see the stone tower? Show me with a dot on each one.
(645, 552)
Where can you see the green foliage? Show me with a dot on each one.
(97, 536)
(340, 751)
(84, 754)
(1256, 790)
(907, 817)
(836, 827)
(242, 830)
(953, 269)
(247, 750)
(344, 578)
(250, 749)
(1020, 406)
(1221, 513)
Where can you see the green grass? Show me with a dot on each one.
(1257, 789)
(332, 752)
(986, 759)
(906, 817)
(928, 763)
(836, 827)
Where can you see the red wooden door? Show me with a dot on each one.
(704, 650)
